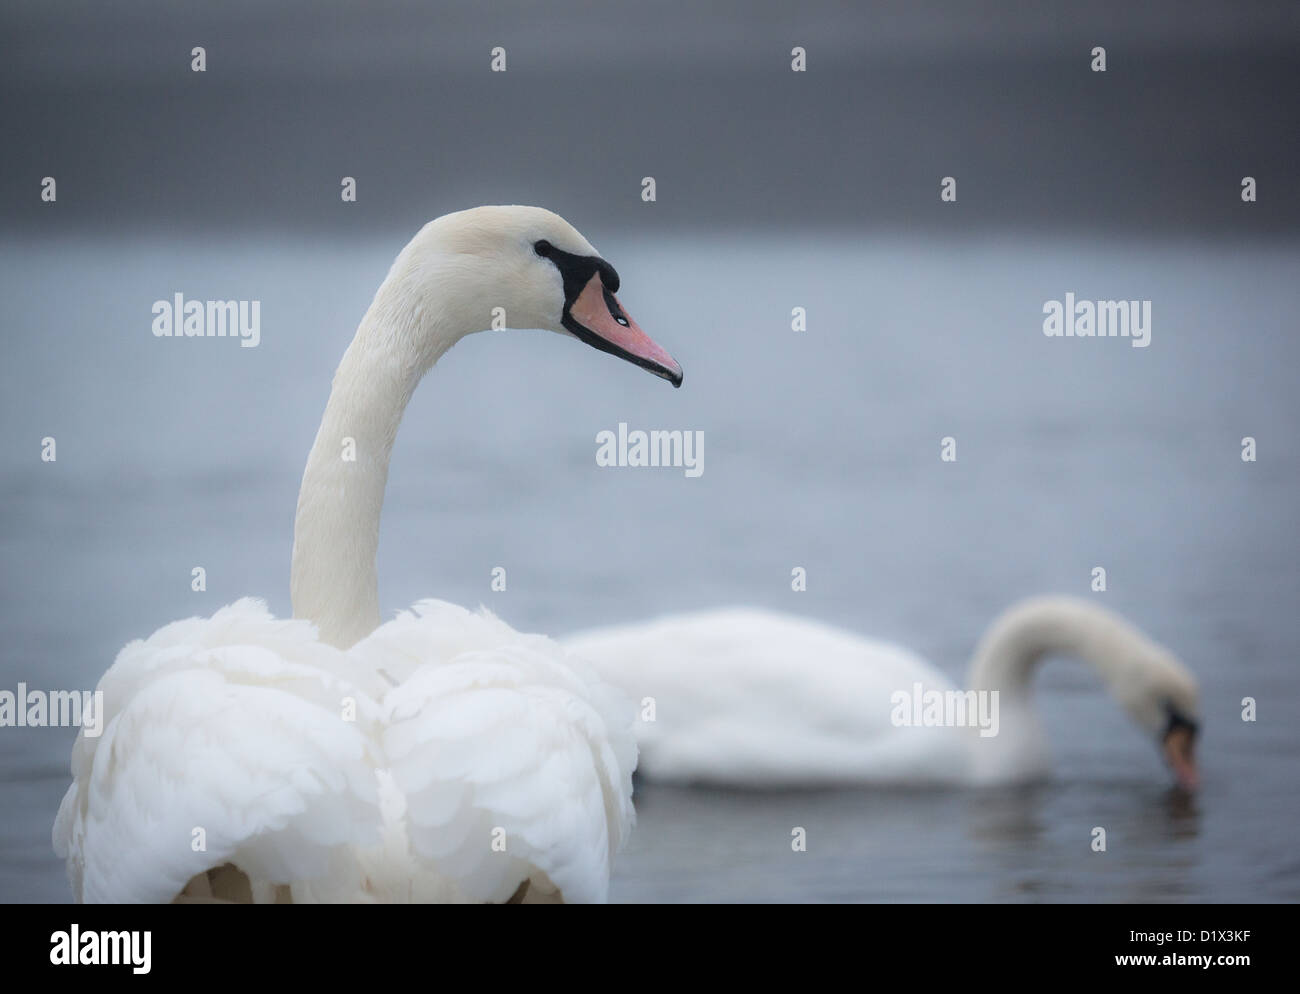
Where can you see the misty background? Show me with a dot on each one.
(700, 96)
(774, 190)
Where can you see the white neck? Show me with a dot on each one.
(1017, 641)
(1006, 659)
(333, 580)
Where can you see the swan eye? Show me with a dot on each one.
(542, 248)
(621, 320)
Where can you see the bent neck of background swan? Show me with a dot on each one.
(334, 580)
(1024, 635)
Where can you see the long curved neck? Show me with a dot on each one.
(333, 580)
(1017, 641)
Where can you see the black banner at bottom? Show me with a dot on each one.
(930, 943)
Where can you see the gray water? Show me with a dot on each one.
(822, 450)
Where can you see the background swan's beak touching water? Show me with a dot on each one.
(1178, 747)
(600, 320)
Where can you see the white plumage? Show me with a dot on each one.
(490, 763)
(442, 756)
(757, 698)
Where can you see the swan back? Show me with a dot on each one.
(467, 762)
(750, 697)
(514, 763)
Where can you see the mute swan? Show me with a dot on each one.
(758, 698)
(441, 756)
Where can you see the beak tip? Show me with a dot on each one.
(672, 373)
(1187, 777)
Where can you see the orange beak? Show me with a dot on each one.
(1178, 747)
(600, 320)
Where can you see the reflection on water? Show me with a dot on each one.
(823, 452)
(978, 845)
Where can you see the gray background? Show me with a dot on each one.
(698, 95)
(775, 190)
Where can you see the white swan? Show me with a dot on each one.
(444, 756)
(758, 698)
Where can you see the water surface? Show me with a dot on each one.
(822, 450)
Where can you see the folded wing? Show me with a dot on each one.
(233, 739)
(514, 762)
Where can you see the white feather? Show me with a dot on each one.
(491, 763)
(759, 698)
(223, 741)
(440, 757)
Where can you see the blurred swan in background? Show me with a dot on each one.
(759, 698)
(442, 756)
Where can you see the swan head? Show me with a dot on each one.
(1162, 697)
(523, 267)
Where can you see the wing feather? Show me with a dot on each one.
(224, 741)
(515, 762)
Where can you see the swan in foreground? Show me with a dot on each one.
(757, 698)
(442, 756)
